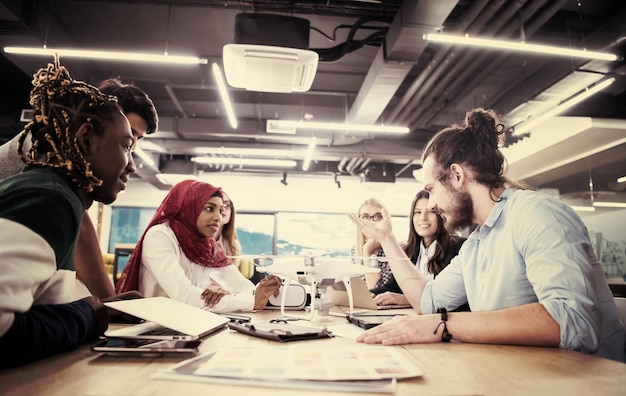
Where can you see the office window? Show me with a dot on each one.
(256, 233)
(128, 224)
(283, 233)
(321, 233)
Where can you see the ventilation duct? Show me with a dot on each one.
(270, 54)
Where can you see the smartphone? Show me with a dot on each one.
(146, 347)
(369, 321)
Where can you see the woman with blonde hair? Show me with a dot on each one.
(227, 235)
(371, 210)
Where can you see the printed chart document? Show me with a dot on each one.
(372, 369)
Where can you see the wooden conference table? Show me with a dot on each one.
(449, 369)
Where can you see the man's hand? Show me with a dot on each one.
(377, 231)
(266, 288)
(213, 294)
(404, 330)
(116, 316)
(101, 313)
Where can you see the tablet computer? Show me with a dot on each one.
(146, 347)
(369, 321)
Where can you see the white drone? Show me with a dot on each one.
(318, 272)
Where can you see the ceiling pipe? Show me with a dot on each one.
(477, 65)
(341, 167)
(355, 165)
(471, 62)
(351, 164)
(395, 59)
(174, 99)
(422, 85)
(445, 86)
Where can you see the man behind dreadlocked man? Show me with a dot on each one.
(81, 153)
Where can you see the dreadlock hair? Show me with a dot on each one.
(132, 100)
(61, 106)
(413, 243)
(473, 145)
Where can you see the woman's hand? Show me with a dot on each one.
(266, 288)
(213, 294)
(371, 247)
(390, 298)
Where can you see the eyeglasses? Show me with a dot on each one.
(376, 217)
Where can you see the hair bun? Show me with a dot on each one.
(484, 125)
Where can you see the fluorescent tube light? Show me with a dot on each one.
(251, 152)
(109, 55)
(221, 86)
(519, 46)
(146, 158)
(589, 91)
(245, 161)
(583, 208)
(621, 179)
(146, 144)
(309, 153)
(335, 126)
(174, 178)
(609, 204)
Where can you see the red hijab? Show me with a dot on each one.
(181, 207)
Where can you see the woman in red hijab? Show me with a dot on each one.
(177, 256)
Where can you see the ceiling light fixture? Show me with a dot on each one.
(582, 95)
(621, 179)
(309, 153)
(108, 55)
(245, 161)
(270, 53)
(251, 152)
(146, 158)
(221, 86)
(288, 126)
(518, 46)
(147, 145)
(174, 178)
(609, 204)
(583, 208)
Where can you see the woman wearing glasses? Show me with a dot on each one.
(370, 210)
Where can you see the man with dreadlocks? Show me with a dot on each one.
(81, 152)
(143, 119)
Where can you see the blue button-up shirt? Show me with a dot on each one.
(534, 248)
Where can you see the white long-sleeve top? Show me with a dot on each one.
(166, 271)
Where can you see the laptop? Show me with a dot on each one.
(360, 294)
(165, 319)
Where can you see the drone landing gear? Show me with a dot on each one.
(323, 304)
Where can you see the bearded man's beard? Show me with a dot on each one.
(460, 215)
